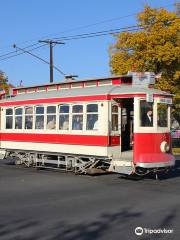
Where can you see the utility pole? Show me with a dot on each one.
(51, 42)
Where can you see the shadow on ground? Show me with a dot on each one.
(120, 225)
(26, 229)
(172, 173)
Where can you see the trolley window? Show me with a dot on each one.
(28, 110)
(64, 117)
(28, 117)
(124, 119)
(39, 110)
(162, 115)
(9, 118)
(18, 111)
(18, 118)
(9, 111)
(146, 114)
(92, 117)
(115, 120)
(77, 109)
(77, 117)
(39, 117)
(51, 117)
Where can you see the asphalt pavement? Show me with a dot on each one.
(50, 205)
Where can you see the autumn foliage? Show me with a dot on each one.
(154, 47)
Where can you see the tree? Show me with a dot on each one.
(154, 47)
(3, 82)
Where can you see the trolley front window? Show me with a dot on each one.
(146, 114)
(162, 115)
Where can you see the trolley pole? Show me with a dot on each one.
(51, 42)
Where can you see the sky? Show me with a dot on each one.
(25, 22)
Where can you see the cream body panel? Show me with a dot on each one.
(56, 148)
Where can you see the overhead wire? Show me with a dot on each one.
(78, 36)
(100, 33)
(12, 54)
(9, 53)
(89, 25)
(40, 58)
(72, 37)
(81, 27)
(20, 53)
(100, 22)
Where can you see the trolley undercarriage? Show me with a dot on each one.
(64, 162)
(79, 164)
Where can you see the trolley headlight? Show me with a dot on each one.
(164, 147)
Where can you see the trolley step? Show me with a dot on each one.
(123, 167)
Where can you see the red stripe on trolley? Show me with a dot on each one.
(71, 99)
(56, 138)
(53, 100)
(75, 99)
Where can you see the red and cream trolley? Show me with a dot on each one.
(119, 124)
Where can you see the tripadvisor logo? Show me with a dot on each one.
(139, 231)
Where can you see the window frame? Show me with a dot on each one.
(155, 128)
(154, 110)
(11, 115)
(27, 115)
(78, 114)
(50, 114)
(19, 115)
(39, 114)
(167, 115)
(168, 127)
(91, 113)
(64, 114)
(117, 114)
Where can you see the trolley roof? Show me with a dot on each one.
(89, 91)
(71, 80)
